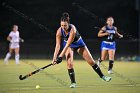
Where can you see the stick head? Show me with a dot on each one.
(20, 77)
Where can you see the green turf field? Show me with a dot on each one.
(54, 79)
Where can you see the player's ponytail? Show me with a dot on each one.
(65, 17)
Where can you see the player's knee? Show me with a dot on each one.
(68, 56)
(102, 58)
(111, 58)
(70, 65)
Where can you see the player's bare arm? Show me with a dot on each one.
(120, 36)
(57, 46)
(70, 40)
(101, 33)
(9, 38)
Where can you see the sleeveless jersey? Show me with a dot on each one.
(112, 32)
(65, 37)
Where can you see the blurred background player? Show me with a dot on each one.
(108, 45)
(14, 39)
(73, 41)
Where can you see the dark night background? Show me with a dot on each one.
(38, 21)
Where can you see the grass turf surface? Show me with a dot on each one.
(55, 79)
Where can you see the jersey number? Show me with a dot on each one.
(110, 37)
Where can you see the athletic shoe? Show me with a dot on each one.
(73, 85)
(106, 78)
(110, 71)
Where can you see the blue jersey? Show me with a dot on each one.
(77, 42)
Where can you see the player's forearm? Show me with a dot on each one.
(102, 34)
(66, 47)
(120, 36)
(8, 38)
(57, 48)
(63, 51)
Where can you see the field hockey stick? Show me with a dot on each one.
(34, 72)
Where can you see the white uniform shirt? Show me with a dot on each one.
(14, 36)
(14, 39)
